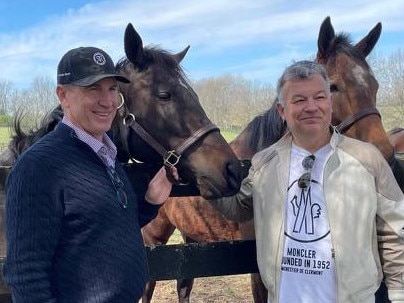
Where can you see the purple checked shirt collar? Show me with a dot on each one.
(106, 149)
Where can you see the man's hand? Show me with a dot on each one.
(159, 188)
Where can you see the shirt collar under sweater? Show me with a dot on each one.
(106, 150)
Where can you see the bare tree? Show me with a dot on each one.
(6, 90)
(231, 101)
(389, 72)
(36, 101)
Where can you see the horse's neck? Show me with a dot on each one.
(240, 146)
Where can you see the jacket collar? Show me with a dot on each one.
(286, 140)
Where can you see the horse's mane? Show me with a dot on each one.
(265, 129)
(22, 140)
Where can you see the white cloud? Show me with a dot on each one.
(214, 29)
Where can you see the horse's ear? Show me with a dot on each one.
(366, 45)
(325, 36)
(178, 57)
(133, 45)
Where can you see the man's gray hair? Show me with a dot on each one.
(301, 70)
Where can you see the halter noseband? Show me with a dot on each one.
(348, 122)
(170, 157)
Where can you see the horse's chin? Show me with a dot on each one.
(211, 190)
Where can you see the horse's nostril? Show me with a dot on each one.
(245, 167)
(234, 171)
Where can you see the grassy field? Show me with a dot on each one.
(4, 136)
(228, 135)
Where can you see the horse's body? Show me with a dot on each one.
(354, 91)
(160, 102)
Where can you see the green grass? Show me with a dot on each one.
(4, 136)
(228, 135)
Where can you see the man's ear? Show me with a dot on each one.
(61, 92)
(280, 109)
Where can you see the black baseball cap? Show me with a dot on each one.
(84, 66)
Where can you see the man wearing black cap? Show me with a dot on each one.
(73, 219)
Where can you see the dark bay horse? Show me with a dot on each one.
(161, 120)
(354, 90)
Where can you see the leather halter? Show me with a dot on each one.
(170, 157)
(347, 123)
(344, 125)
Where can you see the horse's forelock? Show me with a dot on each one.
(342, 43)
(156, 56)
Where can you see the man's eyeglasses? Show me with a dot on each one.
(118, 185)
(305, 179)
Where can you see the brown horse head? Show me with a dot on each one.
(353, 85)
(162, 102)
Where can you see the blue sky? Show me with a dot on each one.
(252, 38)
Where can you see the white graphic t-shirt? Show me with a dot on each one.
(307, 269)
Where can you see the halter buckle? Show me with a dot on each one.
(171, 159)
(128, 118)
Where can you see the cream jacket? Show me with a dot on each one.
(365, 208)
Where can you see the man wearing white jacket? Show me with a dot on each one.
(328, 213)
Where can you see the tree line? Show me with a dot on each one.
(230, 101)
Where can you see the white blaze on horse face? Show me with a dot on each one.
(359, 73)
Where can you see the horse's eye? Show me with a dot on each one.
(333, 88)
(164, 95)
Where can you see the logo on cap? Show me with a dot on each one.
(99, 58)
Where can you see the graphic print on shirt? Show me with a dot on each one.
(306, 213)
(308, 248)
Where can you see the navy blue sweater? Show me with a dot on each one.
(69, 240)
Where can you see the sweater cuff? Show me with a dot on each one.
(153, 203)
